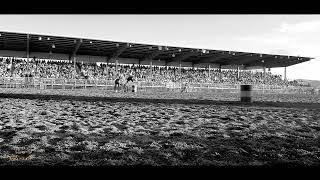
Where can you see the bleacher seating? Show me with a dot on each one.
(160, 75)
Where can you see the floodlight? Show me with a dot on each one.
(48, 39)
(179, 50)
(90, 42)
(40, 38)
(0, 34)
(53, 46)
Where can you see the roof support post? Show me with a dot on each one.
(285, 73)
(166, 64)
(180, 67)
(151, 67)
(220, 73)
(264, 74)
(264, 78)
(74, 64)
(209, 70)
(117, 66)
(238, 72)
(28, 38)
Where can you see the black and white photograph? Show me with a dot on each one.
(159, 90)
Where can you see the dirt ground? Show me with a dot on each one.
(97, 127)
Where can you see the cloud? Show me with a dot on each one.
(301, 27)
(301, 39)
(268, 39)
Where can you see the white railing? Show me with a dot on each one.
(60, 83)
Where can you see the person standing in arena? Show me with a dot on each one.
(184, 87)
(123, 82)
(117, 84)
(130, 78)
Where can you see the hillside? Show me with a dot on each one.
(313, 83)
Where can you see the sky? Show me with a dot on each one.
(294, 35)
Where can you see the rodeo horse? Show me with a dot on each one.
(122, 83)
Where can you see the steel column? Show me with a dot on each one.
(285, 73)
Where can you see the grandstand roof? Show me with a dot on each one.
(112, 49)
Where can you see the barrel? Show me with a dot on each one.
(245, 93)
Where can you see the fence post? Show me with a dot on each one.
(51, 83)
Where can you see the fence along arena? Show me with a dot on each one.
(45, 61)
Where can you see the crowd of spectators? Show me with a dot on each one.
(37, 68)
(15, 67)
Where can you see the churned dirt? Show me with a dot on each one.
(97, 127)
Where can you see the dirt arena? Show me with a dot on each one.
(97, 127)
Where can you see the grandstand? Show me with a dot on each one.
(76, 62)
(60, 106)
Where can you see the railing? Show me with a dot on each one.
(56, 83)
